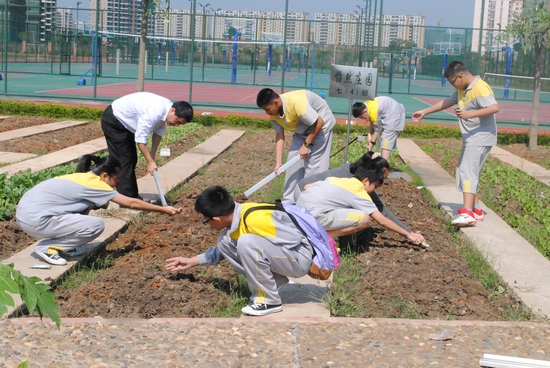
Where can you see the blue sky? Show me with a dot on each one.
(435, 9)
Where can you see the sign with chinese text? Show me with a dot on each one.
(353, 82)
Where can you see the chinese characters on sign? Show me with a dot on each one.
(352, 82)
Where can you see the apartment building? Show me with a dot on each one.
(177, 23)
(65, 21)
(492, 16)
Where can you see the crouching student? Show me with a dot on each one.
(57, 209)
(267, 249)
(343, 205)
(368, 160)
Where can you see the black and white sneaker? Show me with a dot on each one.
(53, 258)
(257, 309)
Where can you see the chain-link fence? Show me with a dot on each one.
(217, 57)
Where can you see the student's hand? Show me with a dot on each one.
(151, 166)
(417, 116)
(303, 152)
(180, 263)
(463, 114)
(276, 170)
(171, 210)
(416, 238)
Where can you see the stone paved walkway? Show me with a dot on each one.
(264, 342)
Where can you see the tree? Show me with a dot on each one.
(147, 7)
(532, 28)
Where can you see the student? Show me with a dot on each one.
(266, 250)
(383, 113)
(370, 159)
(309, 117)
(475, 106)
(57, 209)
(343, 205)
(128, 121)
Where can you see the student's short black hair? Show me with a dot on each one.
(368, 162)
(107, 164)
(266, 97)
(374, 175)
(454, 68)
(215, 201)
(183, 110)
(357, 109)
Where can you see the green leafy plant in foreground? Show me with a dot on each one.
(33, 292)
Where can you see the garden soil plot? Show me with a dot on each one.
(539, 156)
(19, 122)
(12, 239)
(394, 277)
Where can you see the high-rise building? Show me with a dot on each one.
(64, 21)
(490, 18)
(116, 16)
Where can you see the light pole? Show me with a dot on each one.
(214, 32)
(203, 36)
(76, 34)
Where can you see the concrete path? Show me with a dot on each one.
(517, 262)
(57, 158)
(536, 171)
(34, 130)
(9, 157)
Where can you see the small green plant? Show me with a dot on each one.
(36, 295)
(230, 306)
(86, 271)
(342, 300)
(397, 308)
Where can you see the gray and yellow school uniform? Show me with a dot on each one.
(301, 110)
(57, 211)
(267, 250)
(343, 172)
(388, 120)
(478, 134)
(337, 203)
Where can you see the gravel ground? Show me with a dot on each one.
(264, 342)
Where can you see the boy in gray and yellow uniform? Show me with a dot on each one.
(343, 206)
(309, 117)
(475, 106)
(387, 119)
(267, 249)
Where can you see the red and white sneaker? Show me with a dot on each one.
(465, 218)
(478, 214)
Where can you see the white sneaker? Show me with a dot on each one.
(262, 309)
(53, 258)
(465, 218)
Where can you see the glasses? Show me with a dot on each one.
(204, 222)
(454, 80)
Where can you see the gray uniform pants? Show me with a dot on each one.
(316, 162)
(265, 265)
(67, 231)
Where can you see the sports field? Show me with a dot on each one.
(212, 87)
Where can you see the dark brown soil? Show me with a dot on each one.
(53, 141)
(394, 275)
(19, 122)
(395, 278)
(539, 156)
